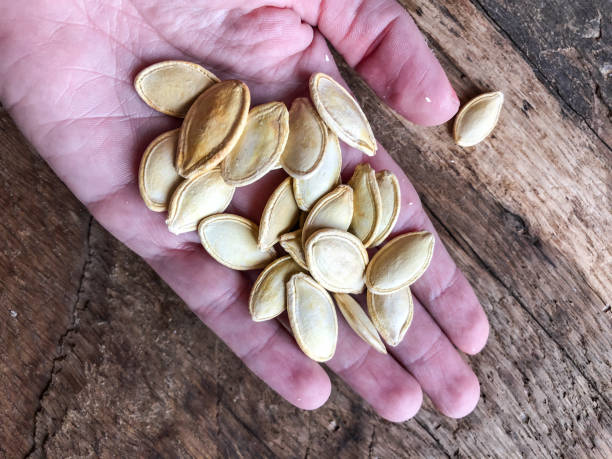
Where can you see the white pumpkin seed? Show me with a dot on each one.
(307, 140)
(337, 260)
(157, 177)
(279, 216)
(390, 198)
(359, 321)
(268, 297)
(367, 204)
(232, 241)
(400, 262)
(477, 119)
(212, 127)
(292, 244)
(260, 146)
(312, 317)
(391, 314)
(199, 196)
(171, 87)
(342, 113)
(309, 190)
(334, 210)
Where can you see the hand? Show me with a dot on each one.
(66, 78)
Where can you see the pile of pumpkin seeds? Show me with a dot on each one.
(323, 226)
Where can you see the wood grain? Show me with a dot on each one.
(99, 358)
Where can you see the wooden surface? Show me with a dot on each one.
(100, 358)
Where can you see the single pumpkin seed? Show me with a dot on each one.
(390, 198)
(307, 140)
(400, 262)
(292, 244)
(157, 177)
(337, 260)
(342, 113)
(312, 316)
(367, 204)
(359, 321)
(391, 314)
(279, 216)
(477, 119)
(309, 190)
(260, 146)
(232, 241)
(334, 210)
(268, 297)
(171, 87)
(197, 197)
(212, 127)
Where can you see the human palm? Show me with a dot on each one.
(66, 78)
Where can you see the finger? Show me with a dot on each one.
(430, 357)
(381, 41)
(378, 378)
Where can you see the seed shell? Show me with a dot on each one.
(342, 113)
(260, 146)
(334, 210)
(477, 119)
(157, 177)
(279, 216)
(292, 244)
(390, 198)
(400, 262)
(312, 316)
(232, 241)
(171, 87)
(212, 127)
(359, 321)
(391, 314)
(367, 204)
(197, 197)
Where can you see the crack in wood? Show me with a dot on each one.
(372, 441)
(428, 431)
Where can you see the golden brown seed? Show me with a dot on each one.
(337, 260)
(312, 317)
(157, 177)
(391, 314)
(390, 198)
(400, 262)
(334, 210)
(477, 119)
(171, 87)
(232, 241)
(342, 113)
(268, 297)
(260, 146)
(292, 244)
(307, 140)
(197, 197)
(359, 321)
(367, 204)
(212, 127)
(279, 216)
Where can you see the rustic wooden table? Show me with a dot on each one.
(99, 358)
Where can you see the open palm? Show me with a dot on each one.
(66, 73)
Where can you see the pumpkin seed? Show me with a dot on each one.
(157, 177)
(477, 119)
(259, 149)
(400, 262)
(212, 127)
(292, 244)
(312, 317)
(171, 87)
(391, 314)
(334, 210)
(367, 204)
(268, 297)
(307, 140)
(309, 190)
(279, 216)
(390, 198)
(342, 113)
(359, 321)
(232, 241)
(337, 260)
(199, 196)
